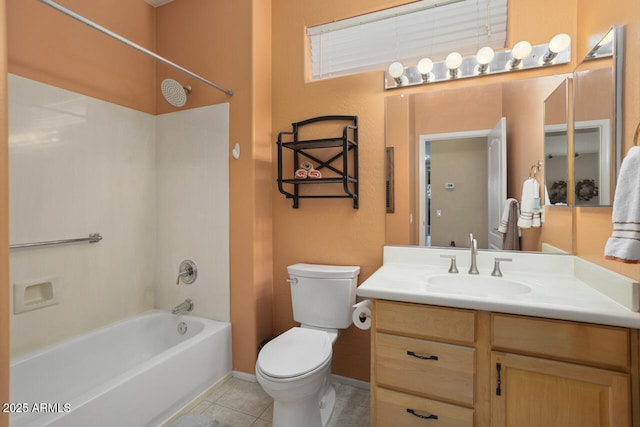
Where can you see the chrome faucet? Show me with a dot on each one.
(187, 305)
(474, 253)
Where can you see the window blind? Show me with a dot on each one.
(426, 28)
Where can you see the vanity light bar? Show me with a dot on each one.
(501, 62)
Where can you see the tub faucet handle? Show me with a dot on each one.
(188, 272)
(496, 266)
(453, 269)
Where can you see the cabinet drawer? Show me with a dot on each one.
(590, 344)
(443, 371)
(426, 321)
(395, 409)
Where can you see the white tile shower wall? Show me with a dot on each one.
(156, 188)
(79, 165)
(193, 208)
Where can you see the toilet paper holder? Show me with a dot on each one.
(362, 314)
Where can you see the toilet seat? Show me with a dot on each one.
(295, 353)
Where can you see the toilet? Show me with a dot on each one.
(295, 367)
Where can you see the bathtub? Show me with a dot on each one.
(136, 372)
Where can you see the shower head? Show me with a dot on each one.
(174, 92)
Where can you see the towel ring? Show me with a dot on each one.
(636, 135)
(535, 169)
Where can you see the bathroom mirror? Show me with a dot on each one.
(556, 146)
(597, 106)
(457, 124)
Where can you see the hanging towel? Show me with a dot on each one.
(509, 227)
(506, 215)
(530, 204)
(624, 243)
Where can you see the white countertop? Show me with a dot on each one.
(562, 286)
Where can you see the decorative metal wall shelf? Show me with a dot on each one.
(342, 162)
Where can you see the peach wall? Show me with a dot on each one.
(4, 222)
(47, 46)
(230, 44)
(327, 231)
(397, 228)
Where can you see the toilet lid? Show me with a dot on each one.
(294, 353)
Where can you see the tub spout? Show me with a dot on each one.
(187, 305)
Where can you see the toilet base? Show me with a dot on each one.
(327, 405)
(306, 412)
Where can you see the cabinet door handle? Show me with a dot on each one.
(424, 417)
(411, 353)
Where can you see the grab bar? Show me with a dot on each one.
(93, 238)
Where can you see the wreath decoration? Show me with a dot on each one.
(558, 192)
(586, 189)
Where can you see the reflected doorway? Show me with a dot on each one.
(462, 189)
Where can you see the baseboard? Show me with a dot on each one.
(244, 376)
(350, 381)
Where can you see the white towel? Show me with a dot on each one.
(624, 243)
(530, 204)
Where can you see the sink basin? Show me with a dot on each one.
(481, 286)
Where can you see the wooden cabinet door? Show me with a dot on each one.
(533, 392)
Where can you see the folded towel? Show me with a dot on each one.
(301, 174)
(314, 174)
(306, 166)
(530, 204)
(624, 243)
(511, 237)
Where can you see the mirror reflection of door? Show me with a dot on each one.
(462, 187)
(593, 163)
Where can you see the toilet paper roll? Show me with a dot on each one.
(362, 314)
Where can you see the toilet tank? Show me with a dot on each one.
(323, 295)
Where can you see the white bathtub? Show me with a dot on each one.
(136, 372)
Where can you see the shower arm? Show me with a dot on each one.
(131, 44)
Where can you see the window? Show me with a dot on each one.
(427, 28)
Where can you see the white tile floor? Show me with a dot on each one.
(240, 403)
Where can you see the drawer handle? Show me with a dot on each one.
(411, 353)
(424, 417)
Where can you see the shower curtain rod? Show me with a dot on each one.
(131, 44)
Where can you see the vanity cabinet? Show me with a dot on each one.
(557, 373)
(424, 365)
(439, 366)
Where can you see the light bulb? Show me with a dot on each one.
(396, 70)
(521, 50)
(425, 65)
(484, 55)
(559, 42)
(453, 61)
